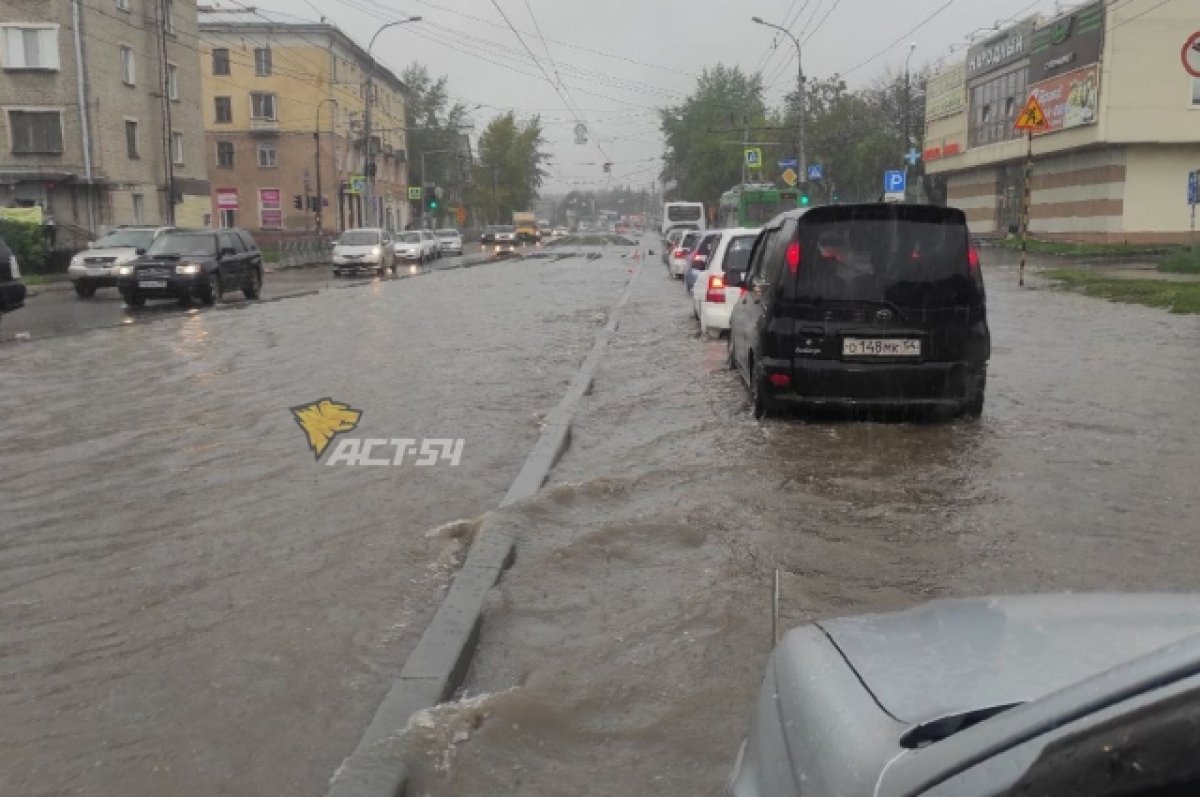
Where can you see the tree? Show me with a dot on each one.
(508, 171)
(434, 127)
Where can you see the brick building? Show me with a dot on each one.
(283, 112)
(99, 113)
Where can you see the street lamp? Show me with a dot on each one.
(317, 140)
(803, 158)
(912, 48)
(370, 186)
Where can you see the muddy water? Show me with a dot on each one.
(189, 604)
(621, 653)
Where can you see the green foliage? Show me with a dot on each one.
(1072, 249)
(508, 170)
(1185, 261)
(434, 127)
(26, 242)
(1177, 297)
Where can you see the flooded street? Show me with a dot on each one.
(622, 652)
(190, 603)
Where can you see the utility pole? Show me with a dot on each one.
(801, 155)
(912, 47)
(164, 84)
(320, 209)
(369, 190)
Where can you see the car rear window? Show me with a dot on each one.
(689, 240)
(359, 238)
(737, 253)
(904, 255)
(409, 238)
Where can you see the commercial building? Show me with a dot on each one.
(284, 112)
(99, 113)
(1123, 128)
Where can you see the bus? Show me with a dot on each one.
(754, 204)
(683, 214)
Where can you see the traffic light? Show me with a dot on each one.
(804, 200)
(433, 203)
(298, 202)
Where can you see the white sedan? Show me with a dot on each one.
(451, 241)
(712, 302)
(417, 246)
(680, 259)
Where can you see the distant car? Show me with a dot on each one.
(669, 243)
(451, 240)
(413, 247)
(863, 306)
(363, 249)
(433, 243)
(559, 232)
(700, 256)
(712, 302)
(488, 235)
(12, 289)
(1086, 694)
(96, 266)
(183, 264)
(505, 240)
(680, 259)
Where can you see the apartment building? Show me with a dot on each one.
(1124, 125)
(99, 113)
(284, 107)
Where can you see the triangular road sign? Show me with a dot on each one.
(1032, 117)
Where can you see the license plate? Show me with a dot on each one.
(96, 272)
(152, 283)
(881, 347)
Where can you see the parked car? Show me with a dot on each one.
(681, 256)
(204, 264)
(712, 303)
(96, 266)
(451, 240)
(669, 243)
(505, 240)
(488, 235)
(699, 259)
(1087, 694)
(863, 305)
(364, 249)
(12, 289)
(558, 232)
(414, 247)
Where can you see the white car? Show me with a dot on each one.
(416, 246)
(680, 259)
(451, 241)
(558, 232)
(712, 302)
(96, 266)
(363, 249)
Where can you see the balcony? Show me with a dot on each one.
(264, 126)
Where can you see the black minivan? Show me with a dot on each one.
(867, 305)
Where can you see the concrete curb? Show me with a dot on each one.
(439, 663)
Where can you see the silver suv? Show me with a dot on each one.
(96, 266)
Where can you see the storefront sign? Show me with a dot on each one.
(947, 149)
(270, 208)
(946, 93)
(227, 199)
(1067, 43)
(1070, 100)
(1008, 47)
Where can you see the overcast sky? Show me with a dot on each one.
(618, 60)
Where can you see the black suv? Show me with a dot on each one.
(12, 290)
(182, 264)
(874, 305)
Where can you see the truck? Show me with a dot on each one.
(527, 226)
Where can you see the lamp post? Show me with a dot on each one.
(912, 48)
(372, 217)
(802, 157)
(317, 140)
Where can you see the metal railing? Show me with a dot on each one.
(308, 251)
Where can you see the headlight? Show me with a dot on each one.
(125, 270)
(376, 252)
(77, 261)
(188, 268)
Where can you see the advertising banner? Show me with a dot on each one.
(1006, 48)
(1067, 43)
(31, 215)
(946, 93)
(1069, 100)
(270, 208)
(227, 199)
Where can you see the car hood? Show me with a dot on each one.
(342, 249)
(121, 254)
(952, 656)
(408, 244)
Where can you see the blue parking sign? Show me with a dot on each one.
(1194, 188)
(894, 182)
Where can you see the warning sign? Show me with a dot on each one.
(789, 176)
(1191, 55)
(1031, 118)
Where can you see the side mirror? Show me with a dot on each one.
(735, 279)
(228, 251)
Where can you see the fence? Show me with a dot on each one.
(296, 252)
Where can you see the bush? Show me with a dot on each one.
(1186, 261)
(25, 240)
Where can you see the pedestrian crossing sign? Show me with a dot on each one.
(1031, 117)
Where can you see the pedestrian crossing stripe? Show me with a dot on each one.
(1031, 117)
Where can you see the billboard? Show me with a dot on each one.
(1070, 100)
(946, 93)
(1067, 43)
(270, 205)
(1000, 51)
(227, 199)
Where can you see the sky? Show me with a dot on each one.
(610, 64)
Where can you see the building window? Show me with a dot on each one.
(262, 106)
(173, 82)
(128, 66)
(228, 218)
(177, 148)
(993, 103)
(225, 154)
(122, 5)
(262, 61)
(224, 109)
(139, 209)
(268, 156)
(131, 139)
(169, 16)
(220, 63)
(35, 132)
(28, 47)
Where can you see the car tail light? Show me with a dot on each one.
(793, 257)
(698, 258)
(678, 253)
(779, 380)
(973, 259)
(716, 290)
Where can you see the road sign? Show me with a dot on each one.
(816, 171)
(789, 163)
(1031, 118)
(789, 176)
(1194, 188)
(753, 157)
(414, 192)
(912, 156)
(1191, 55)
(358, 184)
(894, 181)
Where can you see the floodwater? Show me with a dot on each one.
(622, 652)
(190, 604)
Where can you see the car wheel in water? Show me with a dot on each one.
(972, 408)
(759, 407)
(253, 288)
(84, 291)
(133, 298)
(213, 291)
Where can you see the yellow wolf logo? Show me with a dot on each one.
(324, 420)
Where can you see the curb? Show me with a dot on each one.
(439, 663)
